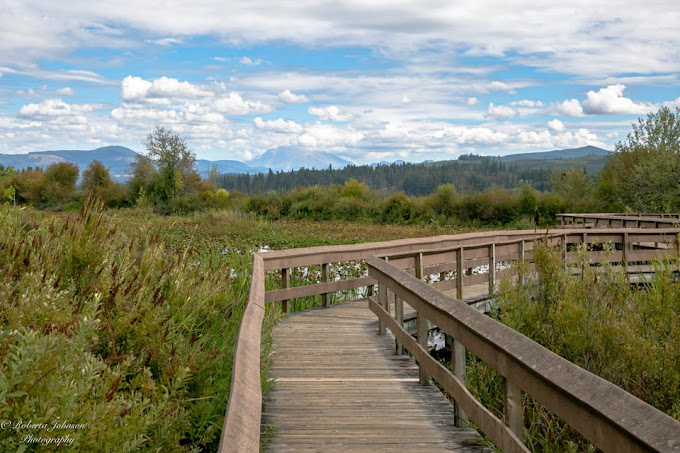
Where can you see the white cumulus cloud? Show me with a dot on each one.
(472, 101)
(323, 135)
(278, 125)
(500, 112)
(527, 103)
(138, 89)
(234, 104)
(572, 107)
(556, 125)
(54, 107)
(610, 100)
(291, 98)
(330, 113)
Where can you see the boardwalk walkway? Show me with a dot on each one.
(340, 388)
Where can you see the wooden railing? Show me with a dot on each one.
(569, 391)
(618, 220)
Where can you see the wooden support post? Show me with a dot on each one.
(325, 268)
(285, 283)
(382, 300)
(458, 365)
(419, 265)
(513, 410)
(624, 248)
(492, 269)
(564, 250)
(520, 251)
(421, 327)
(399, 316)
(459, 273)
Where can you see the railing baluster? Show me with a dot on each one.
(492, 269)
(421, 322)
(513, 410)
(419, 265)
(624, 247)
(459, 273)
(382, 300)
(399, 316)
(520, 252)
(285, 283)
(325, 274)
(458, 365)
(421, 327)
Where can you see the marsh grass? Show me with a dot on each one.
(111, 326)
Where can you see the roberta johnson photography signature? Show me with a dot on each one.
(56, 433)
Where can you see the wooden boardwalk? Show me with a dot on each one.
(340, 388)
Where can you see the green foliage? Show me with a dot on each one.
(398, 208)
(354, 189)
(60, 181)
(575, 186)
(30, 186)
(173, 161)
(644, 173)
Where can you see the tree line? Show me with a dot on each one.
(469, 174)
(164, 179)
(642, 175)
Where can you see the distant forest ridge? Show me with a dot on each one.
(470, 173)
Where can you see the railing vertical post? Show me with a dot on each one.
(399, 316)
(520, 252)
(458, 365)
(624, 249)
(459, 273)
(492, 269)
(421, 327)
(285, 283)
(513, 410)
(419, 265)
(421, 322)
(325, 267)
(564, 250)
(382, 300)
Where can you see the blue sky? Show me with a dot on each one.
(369, 81)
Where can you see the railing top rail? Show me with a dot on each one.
(611, 416)
(241, 430)
(600, 215)
(337, 253)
